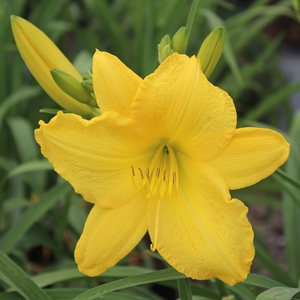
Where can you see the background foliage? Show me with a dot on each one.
(40, 216)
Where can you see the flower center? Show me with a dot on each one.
(161, 176)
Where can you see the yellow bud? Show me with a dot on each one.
(211, 50)
(72, 87)
(164, 48)
(180, 39)
(41, 55)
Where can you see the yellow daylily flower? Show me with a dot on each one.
(162, 157)
(41, 55)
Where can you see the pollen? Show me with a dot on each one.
(161, 177)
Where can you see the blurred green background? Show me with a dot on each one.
(40, 216)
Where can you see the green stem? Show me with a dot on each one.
(192, 13)
(184, 288)
(283, 175)
(191, 17)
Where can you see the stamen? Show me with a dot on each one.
(132, 169)
(161, 176)
(157, 172)
(147, 173)
(138, 187)
(141, 173)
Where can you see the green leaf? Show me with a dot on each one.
(280, 293)
(261, 281)
(243, 290)
(50, 278)
(270, 102)
(184, 288)
(24, 93)
(35, 179)
(288, 179)
(272, 266)
(191, 16)
(157, 276)
(17, 278)
(30, 166)
(31, 215)
(69, 293)
(290, 207)
(105, 12)
(11, 296)
(15, 203)
(23, 136)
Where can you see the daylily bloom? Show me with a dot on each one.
(41, 55)
(162, 157)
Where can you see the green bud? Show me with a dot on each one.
(162, 50)
(180, 39)
(166, 40)
(166, 51)
(211, 50)
(88, 85)
(72, 87)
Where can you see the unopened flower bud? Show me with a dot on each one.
(41, 55)
(71, 86)
(164, 48)
(180, 39)
(166, 51)
(211, 50)
(87, 83)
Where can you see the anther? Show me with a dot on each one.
(141, 173)
(152, 248)
(174, 177)
(157, 172)
(164, 179)
(132, 169)
(147, 173)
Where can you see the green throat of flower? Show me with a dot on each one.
(161, 177)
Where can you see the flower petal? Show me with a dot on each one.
(252, 155)
(114, 84)
(179, 103)
(201, 232)
(41, 55)
(109, 235)
(95, 156)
